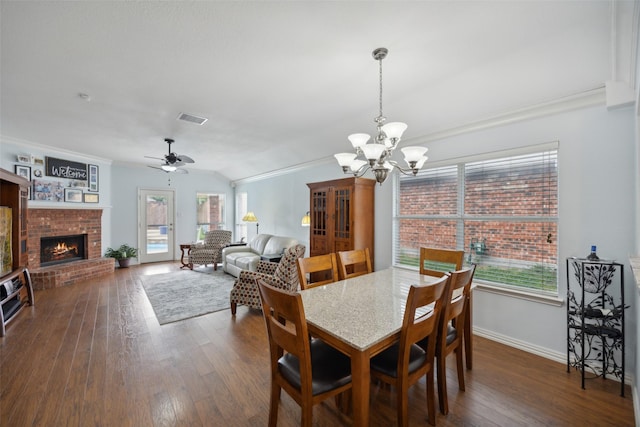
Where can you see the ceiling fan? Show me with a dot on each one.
(172, 161)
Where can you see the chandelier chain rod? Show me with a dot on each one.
(380, 100)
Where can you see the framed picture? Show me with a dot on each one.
(37, 173)
(91, 198)
(72, 195)
(93, 177)
(50, 191)
(24, 158)
(74, 183)
(38, 161)
(24, 171)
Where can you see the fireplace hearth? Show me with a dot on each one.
(62, 249)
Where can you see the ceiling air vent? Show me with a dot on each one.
(191, 118)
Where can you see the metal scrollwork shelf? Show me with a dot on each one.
(595, 319)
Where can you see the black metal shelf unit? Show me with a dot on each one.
(595, 319)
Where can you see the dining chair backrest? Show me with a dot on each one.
(452, 324)
(436, 262)
(405, 363)
(317, 270)
(354, 263)
(291, 353)
(417, 328)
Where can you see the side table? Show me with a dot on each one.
(185, 247)
(271, 257)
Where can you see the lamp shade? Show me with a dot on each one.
(373, 151)
(394, 129)
(358, 139)
(250, 217)
(413, 154)
(345, 159)
(357, 164)
(306, 220)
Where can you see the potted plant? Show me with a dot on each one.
(123, 254)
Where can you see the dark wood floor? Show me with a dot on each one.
(94, 354)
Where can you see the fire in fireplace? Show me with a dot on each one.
(61, 249)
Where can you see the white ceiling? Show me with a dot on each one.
(283, 83)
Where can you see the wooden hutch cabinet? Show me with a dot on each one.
(14, 193)
(15, 287)
(342, 216)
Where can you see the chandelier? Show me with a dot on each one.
(376, 155)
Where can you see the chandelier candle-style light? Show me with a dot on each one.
(377, 153)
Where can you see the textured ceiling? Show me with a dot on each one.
(282, 83)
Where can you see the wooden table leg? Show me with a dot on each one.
(360, 377)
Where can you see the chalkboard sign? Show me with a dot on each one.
(65, 169)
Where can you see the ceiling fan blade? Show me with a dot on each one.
(156, 158)
(157, 167)
(185, 159)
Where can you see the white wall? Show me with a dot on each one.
(10, 148)
(597, 166)
(127, 179)
(597, 206)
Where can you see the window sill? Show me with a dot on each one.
(522, 294)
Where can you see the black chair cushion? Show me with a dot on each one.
(452, 333)
(387, 361)
(330, 368)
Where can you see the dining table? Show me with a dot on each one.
(362, 316)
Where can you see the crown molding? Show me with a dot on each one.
(596, 96)
(44, 148)
(589, 98)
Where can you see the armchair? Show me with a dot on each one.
(209, 252)
(282, 275)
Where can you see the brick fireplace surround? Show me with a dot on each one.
(63, 222)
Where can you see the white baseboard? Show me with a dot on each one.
(543, 352)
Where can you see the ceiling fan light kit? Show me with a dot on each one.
(377, 154)
(172, 161)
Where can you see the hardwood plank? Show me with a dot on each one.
(93, 353)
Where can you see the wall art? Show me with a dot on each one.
(93, 177)
(65, 169)
(91, 198)
(24, 171)
(72, 195)
(50, 191)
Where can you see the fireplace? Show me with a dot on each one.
(62, 249)
(44, 223)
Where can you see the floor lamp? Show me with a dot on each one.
(251, 217)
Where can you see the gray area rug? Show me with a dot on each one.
(184, 294)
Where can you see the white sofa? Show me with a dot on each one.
(238, 258)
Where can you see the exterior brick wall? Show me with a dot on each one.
(524, 194)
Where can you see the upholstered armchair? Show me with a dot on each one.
(283, 275)
(210, 251)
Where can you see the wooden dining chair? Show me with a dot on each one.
(406, 362)
(310, 371)
(317, 270)
(436, 262)
(354, 263)
(451, 335)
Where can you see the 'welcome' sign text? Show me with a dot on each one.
(65, 169)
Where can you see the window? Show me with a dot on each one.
(241, 211)
(502, 211)
(210, 208)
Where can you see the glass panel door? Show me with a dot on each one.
(156, 213)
